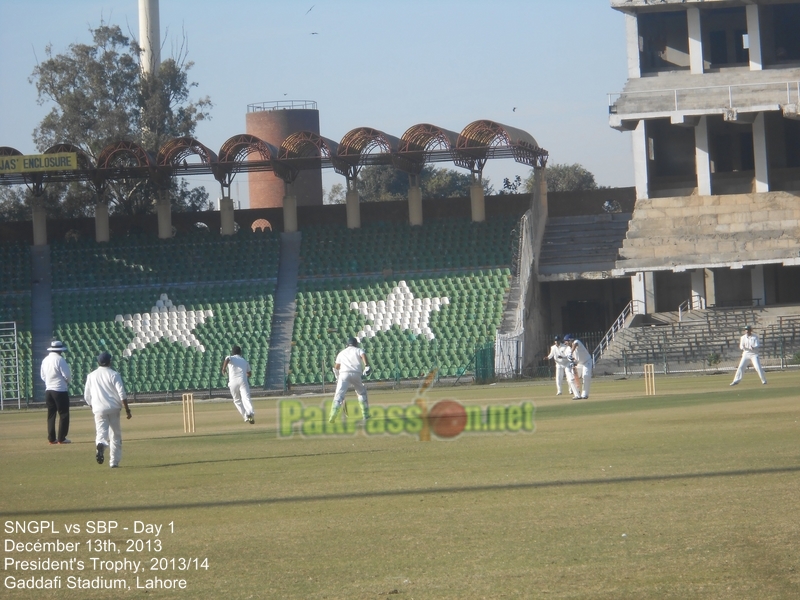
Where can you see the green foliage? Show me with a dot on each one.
(565, 178)
(383, 183)
(713, 359)
(99, 95)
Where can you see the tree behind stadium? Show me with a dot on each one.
(101, 96)
(378, 183)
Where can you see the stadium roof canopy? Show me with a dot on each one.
(420, 144)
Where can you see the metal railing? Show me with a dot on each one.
(282, 105)
(634, 307)
(696, 302)
(677, 96)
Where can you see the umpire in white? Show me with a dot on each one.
(105, 393)
(350, 364)
(748, 344)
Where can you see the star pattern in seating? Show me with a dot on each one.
(399, 308)
(164, 321)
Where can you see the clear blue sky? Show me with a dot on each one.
(386, 64)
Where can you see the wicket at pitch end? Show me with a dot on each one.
(188, 413)
(649, 380)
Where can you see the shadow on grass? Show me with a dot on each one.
(413, 492)
(227, 460)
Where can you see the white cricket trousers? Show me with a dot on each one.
(240, 391)
(346, 379)
(573, 388)
(585, 373)
(109, 433)
(559, 376)
(752, 357)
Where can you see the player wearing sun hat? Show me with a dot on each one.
(748, 344)
(56, 374)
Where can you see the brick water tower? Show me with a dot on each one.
(273, 122)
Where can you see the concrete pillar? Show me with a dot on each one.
(639, 140)
(478, 202)
(102, 231)
(702, 157)
(39, 223)
(711, 291)
(643, 292)
(164, 212)
(289, 210)
(149, 35)
(650, 291)
(696, 65)
(227, 223)
(353, 209)
(757, 285)
(754, 37)
(632, 38)
(698, 289)
(760, 153)
(414, 201)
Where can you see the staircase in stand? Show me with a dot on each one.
(280, 343)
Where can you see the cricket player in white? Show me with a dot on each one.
(105, 393)
(561, 356)
(748, 344)
(239, 384)
(348, 370)
(583, 359)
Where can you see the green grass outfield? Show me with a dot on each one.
(693, 493)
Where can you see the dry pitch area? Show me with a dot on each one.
(690, 494)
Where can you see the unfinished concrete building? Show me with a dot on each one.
(712, 103)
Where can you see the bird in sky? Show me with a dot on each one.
(514, 109)
(310, 9)
(314, 33)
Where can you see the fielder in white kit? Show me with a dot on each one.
(350, 364)
(105, 393)
(238, 383)
(748, 344)
(561, 355)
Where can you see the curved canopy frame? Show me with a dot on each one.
(356, 146)
(478, 141)
(420, 144)
(235, 152)
(417, 144)
(132, 153)
(300, 151)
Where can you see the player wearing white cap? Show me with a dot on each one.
(349, 366)
(748, 344)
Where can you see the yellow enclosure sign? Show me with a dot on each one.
(36, 163)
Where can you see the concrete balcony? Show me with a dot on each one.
(736, 93)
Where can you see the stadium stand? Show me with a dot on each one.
(15, 304)
(454, 273)
(212, 292)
